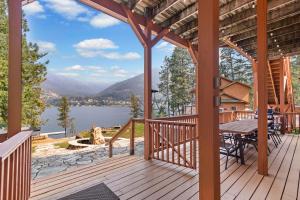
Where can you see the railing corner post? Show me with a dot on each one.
(110, 149)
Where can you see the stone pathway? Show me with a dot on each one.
(48, 159)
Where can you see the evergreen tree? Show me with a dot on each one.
(63, 114)
(177, 79)
(234, 66)
(135, 108)
(33, 75)
(295, 69)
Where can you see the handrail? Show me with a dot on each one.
(10, 145)
(128, 125)
(3, 137)
(15, 167)
(172, 122)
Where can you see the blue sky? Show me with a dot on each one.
(85, 44)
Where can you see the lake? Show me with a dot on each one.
(87, 116)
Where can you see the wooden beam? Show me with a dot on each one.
(238, 49)
(281, 87)
(14, 67)
(147, 93)
(116, 10)
(132, 21)
(207, 91)
(272, 82)
(159, 36)
(193, 50)
(262, 88)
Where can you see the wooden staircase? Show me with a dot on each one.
(276, 69)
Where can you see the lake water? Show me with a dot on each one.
(87, 116)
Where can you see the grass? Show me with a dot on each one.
(63, 145)
(139, 132)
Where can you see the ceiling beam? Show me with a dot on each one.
(234, 46)
(247, 18)
(116, 10)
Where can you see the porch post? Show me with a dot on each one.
(207, 99)
(147, 91)
(14, 67)
(281, 86)
(262, 54)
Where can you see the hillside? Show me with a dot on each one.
(122, 90)
(57, 85)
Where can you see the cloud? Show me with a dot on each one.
(70, 9)
(103, 21)
(96, 47)
(119, 56)
(118, 71)
(75, 68)
(90, 69)
(68, 74)
(46, 47)
(165, 46)
(33, 8)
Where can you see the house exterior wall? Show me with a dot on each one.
(233, 106)
(238, 91)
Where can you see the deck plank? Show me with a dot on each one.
(132, 177)
(291, 187)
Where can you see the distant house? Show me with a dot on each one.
(234, 96)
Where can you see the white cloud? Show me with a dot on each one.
(75, 68)
(165, 46)
(119, 72)
(68, 74)
(102, 21)
(70, 9)
(46, 47)
(119, 56)
(33, 8)
(96, 47)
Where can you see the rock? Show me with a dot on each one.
(96, 136)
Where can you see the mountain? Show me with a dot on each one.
(135, 85)
(57, 85)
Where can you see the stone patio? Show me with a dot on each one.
(48, 159)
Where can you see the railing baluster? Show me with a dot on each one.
(184, 145)
(163, 141)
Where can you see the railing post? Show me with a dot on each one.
(110, 149)
(132, 136)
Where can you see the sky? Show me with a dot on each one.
(85, 44)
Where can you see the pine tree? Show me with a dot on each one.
(63, 114)
(296, 78)
(234, 66)
(33, 75)
(177, 79)
(135, 107)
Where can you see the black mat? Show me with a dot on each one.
(97, 192)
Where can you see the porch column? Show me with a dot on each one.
(207, 99)
(14, 67)
(281, 86)
(262, 54)
(147, 92)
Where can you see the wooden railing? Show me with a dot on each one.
(183, 118)
(129, 126)
(15, 167)
(291, 122)
(173, 142)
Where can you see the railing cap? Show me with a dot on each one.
(10, 145)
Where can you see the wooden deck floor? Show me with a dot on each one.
(131, 177)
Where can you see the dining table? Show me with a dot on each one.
(238, 129)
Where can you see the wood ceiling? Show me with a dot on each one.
(237, 22)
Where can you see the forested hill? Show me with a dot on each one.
(122, 90)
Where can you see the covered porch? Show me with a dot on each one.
(193, 25)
